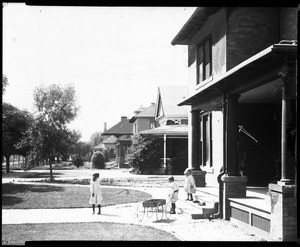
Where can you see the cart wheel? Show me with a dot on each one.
(168, 209)
(140, 211)
(149, 211)
(159, 211)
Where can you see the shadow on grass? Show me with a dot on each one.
(29, 174)
(10, 188)
(11, 200)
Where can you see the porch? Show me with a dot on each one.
(252, 213)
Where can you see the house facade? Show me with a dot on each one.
(123, 133)
(172, 126)
(143, 119)
(242, 64)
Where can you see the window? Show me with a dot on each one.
(152, 125)
(205, 141)
(204, 60)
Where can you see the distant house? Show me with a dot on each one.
(242, 64)
(172, 125)
(110, 142)
(143, 119)
(123, 132)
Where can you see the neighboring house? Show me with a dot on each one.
(242, 64)
(99, 147)
(123, 132)
(110, 142)
(143, 119)
(172, 121)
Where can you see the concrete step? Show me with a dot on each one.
(196, 211)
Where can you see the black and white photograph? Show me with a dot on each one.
(149, 123)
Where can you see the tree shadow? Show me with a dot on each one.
(10, 188)
(11, 200)
(29, 174)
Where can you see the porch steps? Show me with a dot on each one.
(196, 210)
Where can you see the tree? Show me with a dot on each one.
(96, 139)
(146, 153)
(4, 83)
(14, 124)
(56, 107)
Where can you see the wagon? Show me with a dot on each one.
(159, 207)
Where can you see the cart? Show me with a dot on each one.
(159, 207)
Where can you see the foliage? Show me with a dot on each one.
(49, 134)
(77, 160)
(83, 150)
(14, 123)
(98, 160)
(109, 154)
(145, 153)
(96, 139)
(4, 83)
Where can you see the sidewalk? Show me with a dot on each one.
(182, 226)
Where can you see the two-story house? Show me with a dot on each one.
(242, 64)
(123, 132)
(143, 119)
(172, 125)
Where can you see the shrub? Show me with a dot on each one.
(145, 153)
(78, 161)
(98, 160)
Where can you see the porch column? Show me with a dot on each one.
(165, 151)
(285, 116)
(231, 131)
(195, 139)
(234, 185)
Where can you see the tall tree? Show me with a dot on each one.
(96, 139)
(55, 107)
(14, 124)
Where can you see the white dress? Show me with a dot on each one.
(189, 186)
(96, 189)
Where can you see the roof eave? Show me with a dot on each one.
(194, 23)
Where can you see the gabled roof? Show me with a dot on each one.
(99, 146)
(121, 128)
(110, 140)
(167, 99)
(147, 112)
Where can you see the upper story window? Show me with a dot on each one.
(204, 60)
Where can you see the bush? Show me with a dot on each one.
(78, 161)
(98, 160)
(145, 153)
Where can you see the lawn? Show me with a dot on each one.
(34, 196)
(18, 234)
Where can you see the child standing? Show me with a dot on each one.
(173, 195)
(189, 186)
(96, 196)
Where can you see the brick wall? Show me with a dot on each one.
(288, 24)
(249, 31)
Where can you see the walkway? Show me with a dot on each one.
(182, 226)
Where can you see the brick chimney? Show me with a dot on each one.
(123, 118)
(105, 126)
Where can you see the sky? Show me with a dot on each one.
(115, 57)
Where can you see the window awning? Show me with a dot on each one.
(170, 130)
(250, 66)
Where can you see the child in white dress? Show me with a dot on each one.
(96, 196)
(189, 187)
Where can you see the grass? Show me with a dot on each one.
(19, 234)
(27, 196)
